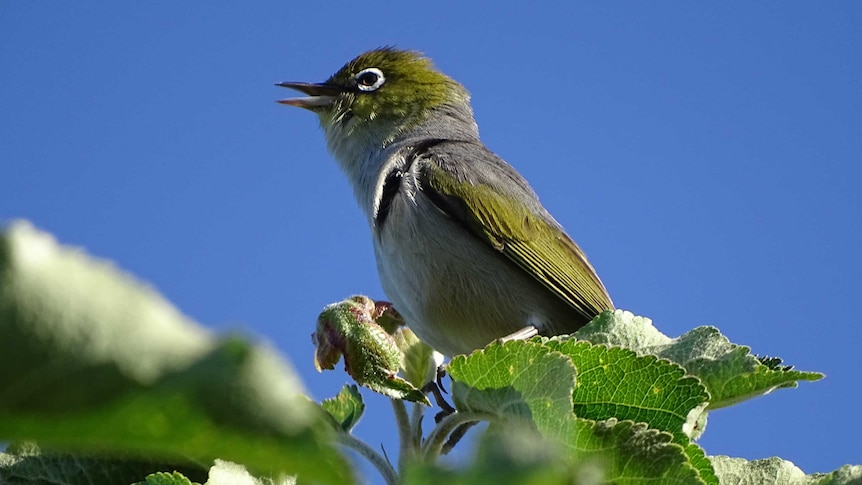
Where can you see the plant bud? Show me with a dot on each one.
(371, 356)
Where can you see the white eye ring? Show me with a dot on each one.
(369, 79)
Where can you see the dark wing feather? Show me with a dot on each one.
(527, 235)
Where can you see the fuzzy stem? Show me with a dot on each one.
(390, 476)
(434, 444)
(416, 425)
(406, 450)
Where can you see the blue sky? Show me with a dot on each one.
(706, 157)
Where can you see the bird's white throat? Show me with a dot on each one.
(361, 152)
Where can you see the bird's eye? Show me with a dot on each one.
(369, 79)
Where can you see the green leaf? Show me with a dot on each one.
(513, 380)
(518, 382)
(616, 383)
(730, 372)
(775, 471)
(629, 452)
(96, 362)
(346, 408)
(698, 459)
(613, 382)
(419, 362)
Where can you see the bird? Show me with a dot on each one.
(465, 251)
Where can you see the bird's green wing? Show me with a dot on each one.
(512, 222)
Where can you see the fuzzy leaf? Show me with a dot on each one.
(613, 382)
(513, 380)
(525, 382)
(419, 361)
(346, 408)
(775, 471)
(730, 372)
(617, 383)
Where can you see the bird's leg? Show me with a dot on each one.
(441, 373)
(435, 390)
(456, 436)
(529, 331)
(525, 333)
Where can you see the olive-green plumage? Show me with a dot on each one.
(413, 86)
(465, 250)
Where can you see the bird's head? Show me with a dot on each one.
(377, 96)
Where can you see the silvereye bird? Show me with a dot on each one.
(465, 250)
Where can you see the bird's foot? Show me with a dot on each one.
(523, 334)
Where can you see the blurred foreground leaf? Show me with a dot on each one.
(95, 362)
(165, 478)
(510, 455)
(24, 463)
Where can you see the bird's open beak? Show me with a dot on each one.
(319, 95)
